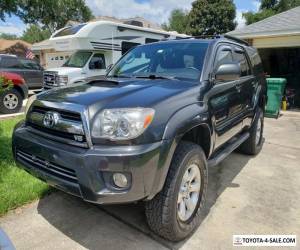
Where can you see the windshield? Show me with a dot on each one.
(78, 59)
(180, 60)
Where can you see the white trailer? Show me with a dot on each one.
(95, 46)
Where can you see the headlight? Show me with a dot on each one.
(62, 80)
(31, 99)
(122, 124)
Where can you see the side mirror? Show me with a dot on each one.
(109, 67)
(228, 72)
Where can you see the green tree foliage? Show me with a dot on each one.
(178, 21)
(269, 8)
(51, 14)
(211, 17)
(8, 36)
(5, 84)
(7, 7)
(34, 34)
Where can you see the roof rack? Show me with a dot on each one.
(214, 37)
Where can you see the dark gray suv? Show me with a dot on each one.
(150, 131)
(30, 70)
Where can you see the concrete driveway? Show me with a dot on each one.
(247, 195)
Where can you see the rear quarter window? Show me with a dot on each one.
(255, 61)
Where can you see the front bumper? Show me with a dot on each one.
(86, 172)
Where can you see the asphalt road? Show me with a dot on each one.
(247, 195)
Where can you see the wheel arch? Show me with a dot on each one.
(194, 128)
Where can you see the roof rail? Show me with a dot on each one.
(233, 38)
(211, 37)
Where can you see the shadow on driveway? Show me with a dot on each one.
(87, 224)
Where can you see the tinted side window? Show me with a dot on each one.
(240, 58)
(224, 56)
(10, 62)
(97, 62)
(70, 30)
(128, 46)
(151, 40)
(27, 64)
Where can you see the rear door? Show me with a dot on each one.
(33, 73)
(224, 100)
(11, 64)
(246, 84)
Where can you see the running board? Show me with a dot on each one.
(220, 156)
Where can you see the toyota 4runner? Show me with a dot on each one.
(150, 131)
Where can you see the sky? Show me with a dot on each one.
(157, 11)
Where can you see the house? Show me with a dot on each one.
(277, 39)
(15, 47)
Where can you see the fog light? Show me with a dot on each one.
(120, 180)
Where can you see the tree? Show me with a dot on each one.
(178, 21)
(8, 36)
(51, 14)
(7, 7)
(211, 17)
(269, 8)
(34, 34)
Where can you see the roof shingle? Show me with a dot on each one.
(284, 23)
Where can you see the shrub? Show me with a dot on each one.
(5, 84)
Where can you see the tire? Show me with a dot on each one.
(7, 107)
(163, 211)
(252, 145)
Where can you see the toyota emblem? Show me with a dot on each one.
(51, 119)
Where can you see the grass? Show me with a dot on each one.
(17, 187)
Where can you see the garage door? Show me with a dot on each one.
(54, 60)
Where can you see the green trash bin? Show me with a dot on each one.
(275, 92)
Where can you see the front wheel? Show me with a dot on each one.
(174, 213)
(10, 101)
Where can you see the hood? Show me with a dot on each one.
(65, 70)
(113, 93)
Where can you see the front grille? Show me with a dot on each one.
(69, 115)
(50, 79)
(69, 129)
(51, 168)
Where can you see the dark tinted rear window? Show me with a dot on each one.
(70, 30)
(9, 62)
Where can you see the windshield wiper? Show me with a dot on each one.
(121, 76)
(154, 77)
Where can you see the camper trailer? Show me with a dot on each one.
(94, 46)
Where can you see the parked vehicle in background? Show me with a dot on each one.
(28, 69)
(94, 46)
(151, 129)
(11, 99)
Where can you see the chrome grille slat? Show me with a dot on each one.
(49, 167)
(50, 79)
(69, 128)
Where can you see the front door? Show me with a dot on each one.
(224, 101)
(247, 84)
(97, 65)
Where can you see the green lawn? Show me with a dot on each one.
(16, 186)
